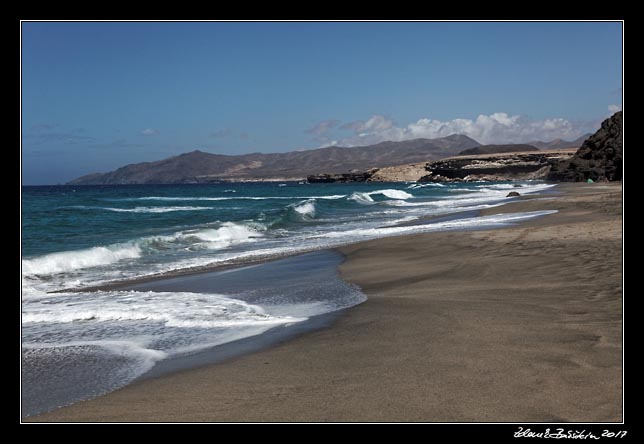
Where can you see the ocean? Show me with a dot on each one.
(79, 343)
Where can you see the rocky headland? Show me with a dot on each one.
(598, 159)
(492, 167)
(354, 176)
(400, 173)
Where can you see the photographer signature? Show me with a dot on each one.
(567, 434)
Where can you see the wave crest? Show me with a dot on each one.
(366, 199)
(361, 198)
(226, 235)
(72, 260)
(305, 209)
(393, 194)
(155, 209)
(229, 233)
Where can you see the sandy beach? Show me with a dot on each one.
(520, 324)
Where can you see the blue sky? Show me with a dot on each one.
(96, 96)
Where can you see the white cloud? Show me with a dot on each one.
(149, 132)
(375, 123)
(486, 129)
(614, 108)
(322, 127)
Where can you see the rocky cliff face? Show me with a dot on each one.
(599, 158)
(511, 166)
(355, 176)
(400, 173)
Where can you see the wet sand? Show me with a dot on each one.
(520, 324)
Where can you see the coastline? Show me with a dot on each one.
(513, 324)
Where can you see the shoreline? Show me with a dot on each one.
(309, 283)
(392, 358)
(245, 261)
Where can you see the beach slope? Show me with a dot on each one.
(520, 324)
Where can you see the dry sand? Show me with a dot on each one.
(521, 324)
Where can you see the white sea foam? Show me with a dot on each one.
(180, 310)
(132, 348)
(361, 198)
(228, 234)
(466, 223)
(433, 184)
(337, 238)
(392, 194)
(225, 235)
(366, 199)
(162, 198)
(147, 357)
(145, 326)
(415, 186)
(501, 186)
(142, 209)
(154, 209)
(306, 209)
(72, 260)
(525, 188)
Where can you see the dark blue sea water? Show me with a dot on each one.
(76, 237)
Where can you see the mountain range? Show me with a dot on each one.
(202, 167)
(494, 149)
(559, 144)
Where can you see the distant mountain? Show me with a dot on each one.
(494, 149)
(198, 166)
(559, 144)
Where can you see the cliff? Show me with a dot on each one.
(362, 176)
(598, 158)
(399, 173)
(504, 166)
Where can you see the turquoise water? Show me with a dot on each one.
(77, 344)
(76, 236)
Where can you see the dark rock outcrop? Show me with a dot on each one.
(494, 149)
(513, 194)
(599, 158)
(342, 178)
(523, 166)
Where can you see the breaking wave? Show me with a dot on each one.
(223, 236)
(72, 260)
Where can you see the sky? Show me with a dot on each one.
(99, 95)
